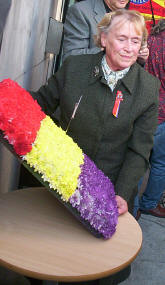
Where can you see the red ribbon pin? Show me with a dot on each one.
(119, 98)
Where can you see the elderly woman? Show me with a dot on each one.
(115, 102)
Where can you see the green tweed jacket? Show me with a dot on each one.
(119, 146)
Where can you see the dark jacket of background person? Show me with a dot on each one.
(80, 27)
(156, 63)
(119, 146)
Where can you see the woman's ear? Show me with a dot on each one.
(103, 40)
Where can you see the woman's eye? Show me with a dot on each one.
(135, 41)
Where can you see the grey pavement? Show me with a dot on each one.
(149, 266)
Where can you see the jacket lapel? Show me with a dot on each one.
(96, 73)
(130, 78)
(99, 10)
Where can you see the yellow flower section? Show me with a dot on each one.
(57, 158)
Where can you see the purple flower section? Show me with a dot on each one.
(95, 199)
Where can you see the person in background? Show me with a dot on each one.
(81, 26)
(117, 112)
(149, 202)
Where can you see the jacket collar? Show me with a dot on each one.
(99, 10)
(96, 73)
(131, 77)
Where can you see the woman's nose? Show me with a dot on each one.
(128, 45)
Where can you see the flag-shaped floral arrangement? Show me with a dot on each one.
(60, 162)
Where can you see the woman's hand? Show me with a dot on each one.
(122, 205)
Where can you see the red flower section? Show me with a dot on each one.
(20, 116)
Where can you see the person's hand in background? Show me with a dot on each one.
(143, 54)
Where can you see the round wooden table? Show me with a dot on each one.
(39, 238)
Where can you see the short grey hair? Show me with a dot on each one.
(130, 15)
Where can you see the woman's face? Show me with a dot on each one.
(122, 44)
